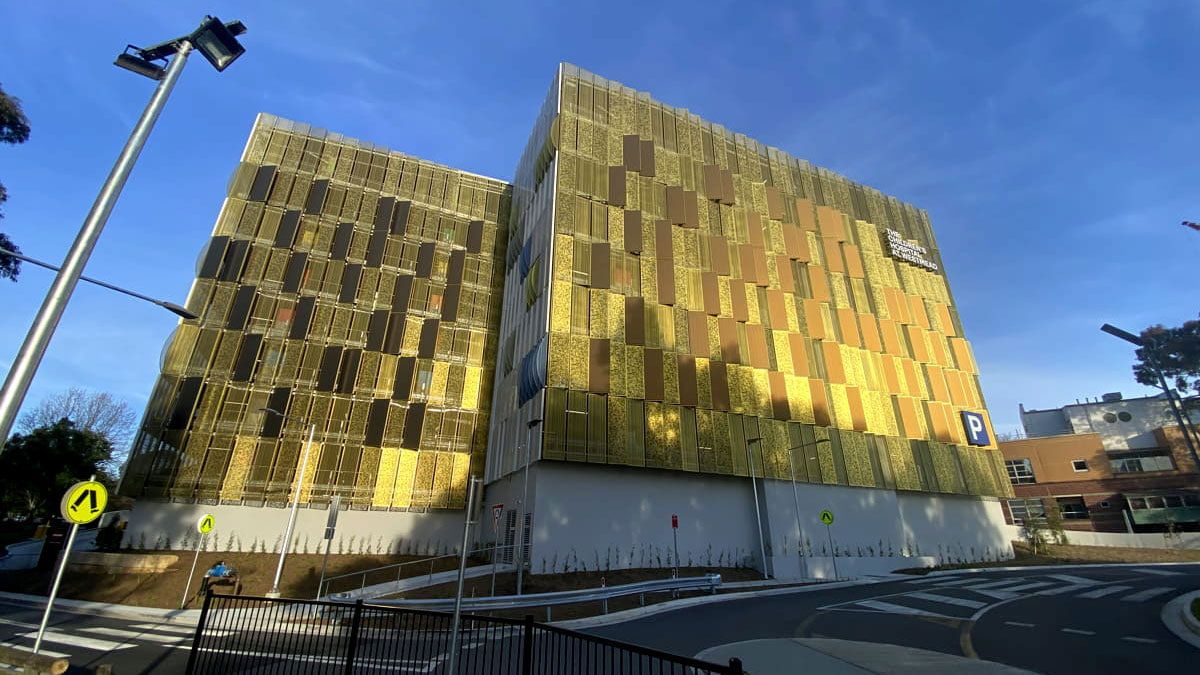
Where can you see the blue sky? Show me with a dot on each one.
(1054, 144)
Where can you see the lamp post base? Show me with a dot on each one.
(271, 594)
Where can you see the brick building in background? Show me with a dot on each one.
(1111, 465)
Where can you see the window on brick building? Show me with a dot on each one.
(1020, 471)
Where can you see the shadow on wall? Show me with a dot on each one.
(245, 529)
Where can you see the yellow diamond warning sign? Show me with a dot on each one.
(84, 502)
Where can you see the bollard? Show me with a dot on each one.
(604, 602)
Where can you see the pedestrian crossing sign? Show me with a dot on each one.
(206, 523)
(84, 502)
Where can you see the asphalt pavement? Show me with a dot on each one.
(1082, 619)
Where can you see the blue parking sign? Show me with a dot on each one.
(977, 433)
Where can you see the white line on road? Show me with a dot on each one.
(179, 630)
(899, 609)
(957, 582)
(943, 581)
(1076, 631)
(1145, 641)
(135, 635)
(1101, 592)
(1028, 587)
(1073, 579)
(949, 600)
(377, 664)
(43, 652)
(997, 584)
(79, 641)
(1147, 594)
(999, 595)
(1019, 624)
(1061, 590)
(1165, 573)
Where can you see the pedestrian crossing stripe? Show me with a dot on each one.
(1106, 590)
(1146, 594)
(1165, 573)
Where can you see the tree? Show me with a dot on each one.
(96, 411)
(36, 468)
(1176, 352)
(14, 129)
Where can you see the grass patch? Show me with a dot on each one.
(1053, 554)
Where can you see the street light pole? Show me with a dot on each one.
(38, 339)
(519, 540)
(218, 43)
(762, 544)
(1162, 383)
(291, 525)
(169, 306)
(796, 498)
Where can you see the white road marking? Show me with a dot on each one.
(1101, 592)
(1147, 594)
(1145, 641)
(1061, 590)
(949, 600)
(1076, 631)
(79, 641)
(957, 582)
(180, 630)
(899, 609)
(18, 624)
(1074, 580)
(1028, 587)
(43, 652)
(130, 635)
(1165, 573)
(377, 664)
(940, 581)
(1019, 624)
(999, 595)
(996, 584)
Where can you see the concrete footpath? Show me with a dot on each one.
(845, 657)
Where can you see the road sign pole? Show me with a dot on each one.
(455, 640)
(62, 565)
(675, 537)
(195, 559)
(833, 550)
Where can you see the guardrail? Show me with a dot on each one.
(708, 582)
(379, 576)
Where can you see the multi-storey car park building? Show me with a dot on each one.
(658, 317)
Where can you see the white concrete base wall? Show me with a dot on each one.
(1180, 540)
(606, 517)
(618, 517)
(160, 525)
(876, 531)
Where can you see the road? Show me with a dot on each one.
(132, 647)
(1075, 620)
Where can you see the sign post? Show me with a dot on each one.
(205, 525)
(675, 536)
(497, 511)
(83, 503)
(335, 505)
(826, 518)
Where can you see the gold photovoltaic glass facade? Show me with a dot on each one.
(706, 290)
(347, 286)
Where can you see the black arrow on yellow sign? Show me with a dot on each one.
(89, 495)
(207, 523)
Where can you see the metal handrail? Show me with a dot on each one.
(604, 593)
(323, 590)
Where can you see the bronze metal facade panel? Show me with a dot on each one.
(653, 364)
(307, 294)
(616, 185)
(687, 380)
(600, 265)
(631, 152)
(598, 366)
(633, 231)
(635, 321)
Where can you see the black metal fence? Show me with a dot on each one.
(242, 634)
